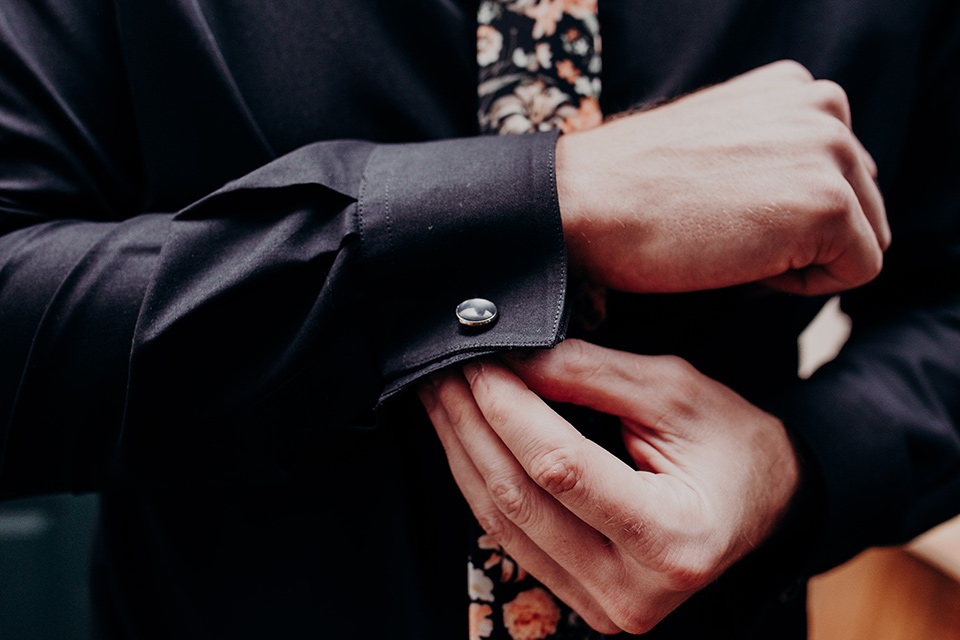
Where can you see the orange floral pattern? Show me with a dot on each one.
(529, 611)
(546, 14)
(538, 61)
(479, 586)
(532, 615)
(481, 626)
(568, 71)
(489, 44)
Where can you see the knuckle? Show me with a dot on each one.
(572, 347)
(599, 621)
(494, 523)
(837, 202)
(458, 413)
(832, 97)
(570, 362)
(558, 471)
(593, 613)
(576, 356)
(793, 68)
(836, 136)
(680, 377)
(878, 265)
(872, 265)
(646, 541)
(691, 572)
(886, 239)
(606, 627)
(631, 617)
(617, 597)
(491, 404)
(510, 498)
(838, 141)
(675, 368)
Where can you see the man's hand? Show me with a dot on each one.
(756, 179)
(622, 547)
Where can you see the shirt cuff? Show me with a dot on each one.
(442, 222)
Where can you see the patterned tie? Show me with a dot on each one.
(539, 67)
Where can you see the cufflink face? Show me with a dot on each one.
(476, 312)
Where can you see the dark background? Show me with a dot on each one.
(44, 563)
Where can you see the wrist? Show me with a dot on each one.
(590, 255)
(570, 194)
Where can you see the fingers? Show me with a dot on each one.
(632, 596)
(660, 391)
(863, 179)
(512, 490)
(633, 544)
(856, 163)
(662, 399)
(861, 169)
(626, 506)
(856, 256)
(867, 158)
(715, 445)
(830, 97)
(474, 488)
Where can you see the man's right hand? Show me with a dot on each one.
(759, 178)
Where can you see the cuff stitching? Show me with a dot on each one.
(558, 225)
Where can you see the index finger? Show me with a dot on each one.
(595, 485)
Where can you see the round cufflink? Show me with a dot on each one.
(476, 312)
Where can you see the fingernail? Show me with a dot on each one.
(471, 370)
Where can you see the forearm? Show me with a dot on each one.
(163, 345)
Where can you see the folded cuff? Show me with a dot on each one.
(443, 222)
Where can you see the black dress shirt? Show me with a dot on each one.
(231, 228)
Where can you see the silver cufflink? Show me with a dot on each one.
(476, 312)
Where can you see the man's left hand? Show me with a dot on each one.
(622, 546)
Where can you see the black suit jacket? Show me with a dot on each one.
(231, 228)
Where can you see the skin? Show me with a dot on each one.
(757, 179)
(622, 546)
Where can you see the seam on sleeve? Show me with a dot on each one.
(558, 224)
(361, 203)
(386, 214)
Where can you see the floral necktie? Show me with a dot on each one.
(539, 65)
(539, 68)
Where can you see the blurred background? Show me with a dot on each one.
(44, 563)
(904, 593)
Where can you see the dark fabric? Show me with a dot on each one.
(208, 357)
(157, 346)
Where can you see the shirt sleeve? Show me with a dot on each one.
(882, 421)
(165, 346)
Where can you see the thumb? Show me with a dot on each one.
(641, 389)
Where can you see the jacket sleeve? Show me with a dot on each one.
(158, 346)
(882, 421)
